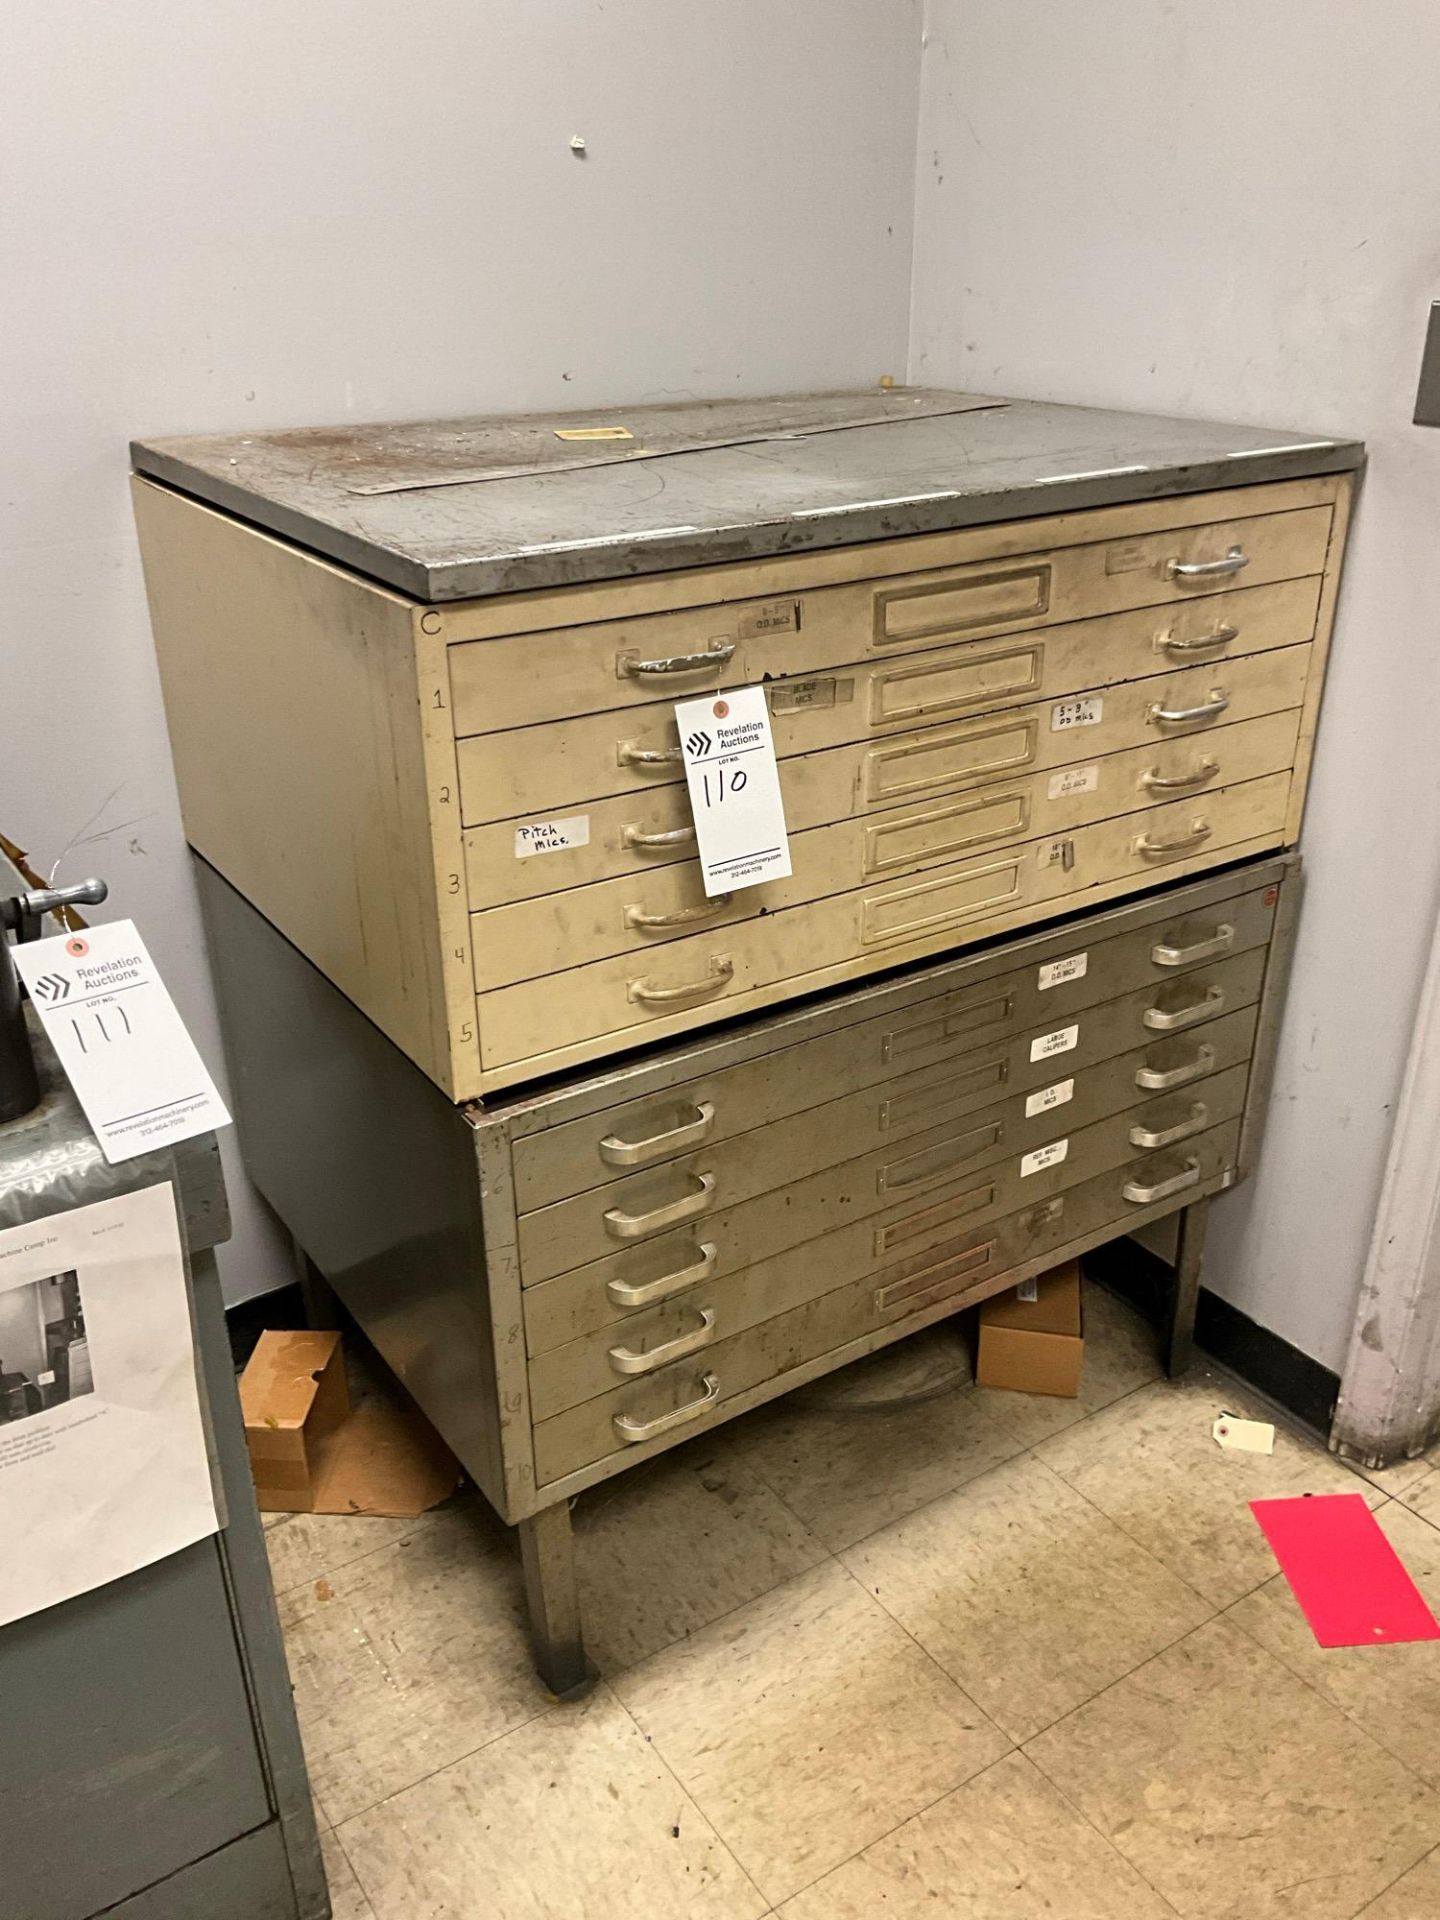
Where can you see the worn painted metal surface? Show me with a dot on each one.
(451, 509)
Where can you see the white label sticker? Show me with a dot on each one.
(1086, 712)
(734, 785)
(1073, 780)
(1049, 1044)
(1043, 1157)
(1028, 1290)
(552, 836)
(1048, 1097)
(107, 1014)
(1056, 972)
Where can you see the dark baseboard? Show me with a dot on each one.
(283, 1308)
(1271, 1365)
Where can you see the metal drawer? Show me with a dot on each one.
(520, 681)
(963, 1177)
(1003, 1143)
(947, 1025)
(585, 756)
(617, 1001)
(702, 1183)
(656, 1412)
(644, 910)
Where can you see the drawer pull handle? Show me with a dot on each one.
(1223, 569)
(637, 919)
(1220, 941)
(633, 1431)
(1210, 1003)
(667, 1285)
(643, 842)
(616, 1152)
(638, 1226)
(1215, 702)
(722, 972)
(1167, 1136)
(627, 1360)
(1158, 1080)
(1197, 642)
(1155, 781)
(1198, 833)
(1140, 1195)
(629, 755)
(715, 655)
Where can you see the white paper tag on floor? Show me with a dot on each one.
(121, 1041)
(1243, 1436)
(734, 789)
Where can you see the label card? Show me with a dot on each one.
(1043, 1157)
(1049, 1044)
(1086, 712)
(1048, 1097)
(1071, 780)
(121, 1041)
(1029, 1290)
(1056, 972)
(552, 836)
(734, 788)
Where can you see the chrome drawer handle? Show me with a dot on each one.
(633, 1431)
(667, 1285)
(1220, 941)
(1224, 569)
(616, 1152)
(629, 755)
(1157, 1080)
(637, 919)
(1215, 702)
(627, 1360)
(1200, 831)
(722, 972)
(638, 1226)
(715, 655)
(644, 842)
(1197, 642)
(1202, 1009)
(1154, 781)
(1167, 1136)
(1139, 1195)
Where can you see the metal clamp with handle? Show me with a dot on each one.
(1153, 781)
(642, 842)
(717, 654)
(1216, 702)
(1141, 1195)
(627, 1360)
(639, 1226)
(1225, 568)
(633, 1431)
(721, 973)
(638, 920)
(1185, 643)
(1167, 1136)
(1221, 941)
(1160, 1079)
(616, 1152)
(1205, 1008)
(622, 1294)
(1198, 833)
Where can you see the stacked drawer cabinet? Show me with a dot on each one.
(658, 1248)
(472, 816)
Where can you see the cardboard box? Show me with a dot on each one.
(311, 1452)
(1035, 1346)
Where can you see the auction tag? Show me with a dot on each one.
(734, 787)
(1243, 1436)
(121, 1041)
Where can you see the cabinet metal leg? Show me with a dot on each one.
(316, 1294)
(1185, 1291)
(547, 1553)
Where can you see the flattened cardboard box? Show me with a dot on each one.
(310, 1452)
(1035, 1346)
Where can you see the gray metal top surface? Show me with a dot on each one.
(458, 509)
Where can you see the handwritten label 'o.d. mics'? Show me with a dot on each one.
(1087, 711)
(1049, 1044)
(551, 836)
(1073, 780)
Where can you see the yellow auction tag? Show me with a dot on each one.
(593, 433)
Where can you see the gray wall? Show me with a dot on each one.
(269, 213)
(1231, 209)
